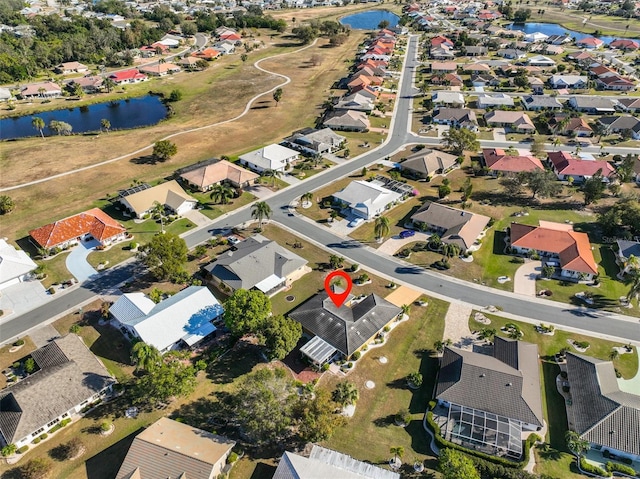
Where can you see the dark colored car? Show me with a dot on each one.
(407, 234)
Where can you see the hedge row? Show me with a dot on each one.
(586, 467)
(629, 471)
(443, 443)
(60, 425)
(489, 470)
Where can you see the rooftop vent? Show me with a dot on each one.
(482, 375)
(509, 384)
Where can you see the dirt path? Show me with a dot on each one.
(246, 110)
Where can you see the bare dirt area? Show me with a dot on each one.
(225, 98)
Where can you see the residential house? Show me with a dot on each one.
(476, 67)
(615, 82)
(559, 39)
(225, 47)
(541, 61)
(93, 224)
(630, 104)
(189, 63)
(443, 67)
(627, 256)
(625, 44)
(68, 379)
(347, 120)
(500, 163)
(484, 80)
(603, 414)
(204, 176)
(169, 448)
(457, 117)
(626, 125)
(568, 81)
(593, 104)
(536, 85)
(475, 51)
(271, 157)
(323, 463)
(590, 43)
(41, 90)
(181, 320)
(541, 102)
(490, 401)
(5, 94)
(448, 98)
(128, 76)
(425, 163)
(15, 265)
(89, 84)
(512, 54)
(160, 69)
(440, 40)
(516, 121)
(257, 263)
(366, 91)
(207, 54)
(576, 126)
(71, 67)
(141, 199)
(566, 165)
(582, 57)
(454, 226)
(315, 142)
(355, 102)
(442, 53)
(366, 199)
(449, 79)
(559, 246)
(553, 50)
(535, 37)
(341, 331)
(495, 100)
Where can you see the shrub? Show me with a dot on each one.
(105, 426)
(36, 441)
(586, 467)
(37, 468)
(19, 342)
(52, 290)
(355, 356)
(233, 457)
(8, 450)
(16, 365)
(614, 466)
(432, 404)
(581, 344)
(44, 436)
(23, 449)
(325, 367)
(403, 417)
(386, 329)
(75, 329)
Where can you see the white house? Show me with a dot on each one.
(447, 98)
(495, 100)
(541, 61)
(15, 265)
(366, 199)
(141, 199)
(535, 37)
(568, 81)
(272, 157)
(185, 318)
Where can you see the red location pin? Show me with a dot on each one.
(338, 298)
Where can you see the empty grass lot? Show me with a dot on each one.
(371, 432)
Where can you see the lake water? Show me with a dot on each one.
(123, 114)
(554, 29)
(370, 20)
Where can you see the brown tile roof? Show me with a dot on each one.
(208, 175)
(95, 221)
(572, 247)
(497, 160)
(567, 164)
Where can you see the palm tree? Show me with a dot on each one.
(109, 84)
(145, 356)
(634, 290)
(307, 197)
(614, 354)
(487, 333)
(398, 452)
(576, 444)
(158, 210)
(38, 124)
(221, 194)
(78, 91)
(273, 174)
(346, 393)
(333, 214)
(406, 309)
(336, 261)
(260, 211)
(440, 345)
(450, 250)
(381, 227)
(435, 242)
(105, 124)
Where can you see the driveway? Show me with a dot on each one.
(197, 217)
(499, 134)
(22, 297)
(393, 244)
(77, 263)
(524, 281)
(259, 192)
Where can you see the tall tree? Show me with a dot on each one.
(6, 204)
(163, 150)
(170, 378)
(246, 312)
(38, 124)
(634, 288)
(165, 256)
(456, 465)
(467, 189)
(593, 188)
(280, 335)
(381, 227)
(460, 139)
(105, 124)
(625, 169)
(109, 84)
(221, 193)
(576, 444)
(277, 95)
(316, 417)
(261, 211)
(145, 356)
(543, 183)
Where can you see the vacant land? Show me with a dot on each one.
(574, 20)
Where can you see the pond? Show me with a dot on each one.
(554, 29)
(122, 114)
(370, 20)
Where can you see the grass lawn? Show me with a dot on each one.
(371, 432)
(55, 269)
(304, 173)
(212, 210)
(317, 211)
(398, 216)
(357, 142)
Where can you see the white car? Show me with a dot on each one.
(355, 222)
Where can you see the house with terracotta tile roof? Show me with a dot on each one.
(203, 176)
(443, 67)
(500, 163)
(558, 245)
(590, 43)
(566, 165)
(624, 44)
(91, 224)
(207, 54)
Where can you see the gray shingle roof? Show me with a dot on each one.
(69, 374)
(493, 384)
(345, 328)
(602, 413)
(255, 259)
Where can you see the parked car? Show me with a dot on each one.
(355, 222)
(407, 234)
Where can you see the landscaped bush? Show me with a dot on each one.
(325, 367)
(355, 356)
(36, 441)
(23, 449)
(16, 365)
(44, 436)
(19, 342)
(233, 457)
(8, 450)
(586, 467)
(52, 290)
(614, 466)
(581, 344)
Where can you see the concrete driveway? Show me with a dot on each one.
(22, 297)
(393, 244)
(499, 134)
(77, 263)
(524, 281)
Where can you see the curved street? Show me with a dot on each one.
(566, 316)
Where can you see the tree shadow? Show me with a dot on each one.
(384, 421)
(263, 470)
(239, 361)
(105, 464)
(146, 160)
(548, 453)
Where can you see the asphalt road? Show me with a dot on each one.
(539, 310)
